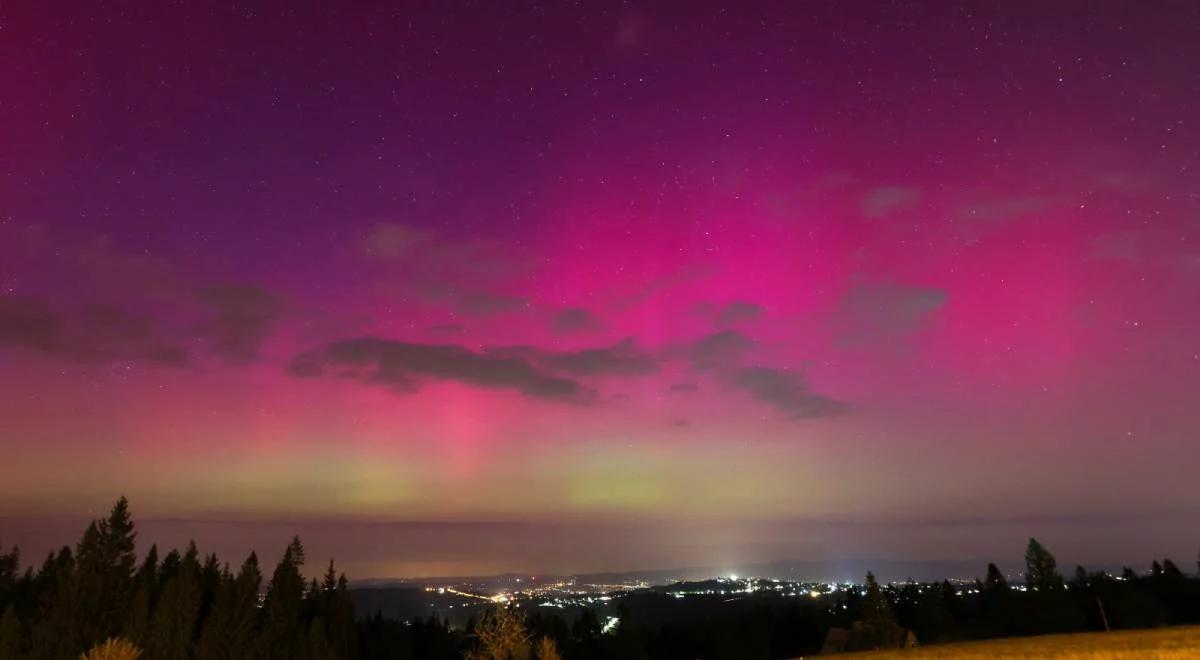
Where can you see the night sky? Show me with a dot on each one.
(466, 289)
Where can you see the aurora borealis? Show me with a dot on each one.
(476, 289)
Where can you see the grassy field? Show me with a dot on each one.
(1167, 643)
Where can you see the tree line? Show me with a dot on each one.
(765, 624)
(1048, 601)
(96, 600)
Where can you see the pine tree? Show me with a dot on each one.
(147, 573)
(876, 614)
(1041, 572)
(176, 609)
(330, 602)
(324, 593)
(314, 600)
(86, 591)
(244, 621)
(25, 594)
(57, 609)
(1081, 578)
(210, 572)
(1171, 571)
(117, 546)
(174, 622)
(168, 568)
(995, 579)
(209, 581)
(215, 628)
(587, 628)
(231, 631)
(997, 611)
(319, 647)
(330, 581)
(137, 628)
(343, 631)
(9, 565)
(104, 588)
(284, 634)
(11, 636)
(12, 639)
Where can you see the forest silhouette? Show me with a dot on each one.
(97, 600)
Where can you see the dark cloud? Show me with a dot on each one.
(403, 365)
(448, 328)
(722, 352)
(685, 387)
(388, 240)
(878, 313)
(995, 210)
(888, 199)
(307, 365)
(738, 311)
(575, 319)
(688, 274)
(980, 215)
(29, 323)
(522, 351)
(718, 350)
(105, 332)
(1129, 245)
(458, 273)
(786, 391)
(1147, 247)
(476, 302)
(622, 359)
(484, 303)
(244, 314)
(113, 274)
(134, 305)
(428, 253)
(90, 333)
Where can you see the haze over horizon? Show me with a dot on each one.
(579, 289)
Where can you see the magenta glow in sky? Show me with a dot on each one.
(479, 289)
